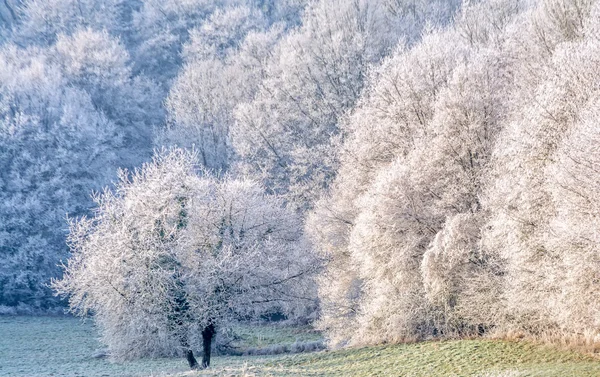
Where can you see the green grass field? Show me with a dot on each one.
(45, 346)
(428, 359)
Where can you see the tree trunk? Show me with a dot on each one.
(207, 336)
(191, 360)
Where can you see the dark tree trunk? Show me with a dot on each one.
(207, 336)
(189, 355)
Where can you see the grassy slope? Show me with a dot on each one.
(428, 359)
(39, 347)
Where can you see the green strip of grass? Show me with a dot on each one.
(427, 359)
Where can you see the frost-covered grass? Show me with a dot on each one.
(63, 347)
(60, 346)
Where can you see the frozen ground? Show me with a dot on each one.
(63, 347)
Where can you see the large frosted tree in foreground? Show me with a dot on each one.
(173, 253)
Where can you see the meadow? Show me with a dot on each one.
(64, 347)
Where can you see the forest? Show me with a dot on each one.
(388, 170)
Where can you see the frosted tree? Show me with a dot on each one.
(404, 210)
(41, 21)
(100, 65)
(72, 112)
(574, 230)
(224, 66)
(161, 29)
(556, 70)
(287, 11)
(316, 74)
(172, 253)
(383, 126)
(50, 134)
(225, 62)
(222, 32)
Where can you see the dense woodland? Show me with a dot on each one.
(420, 168)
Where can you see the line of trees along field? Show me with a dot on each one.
(436, 164)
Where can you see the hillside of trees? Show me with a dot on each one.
(420, 168)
